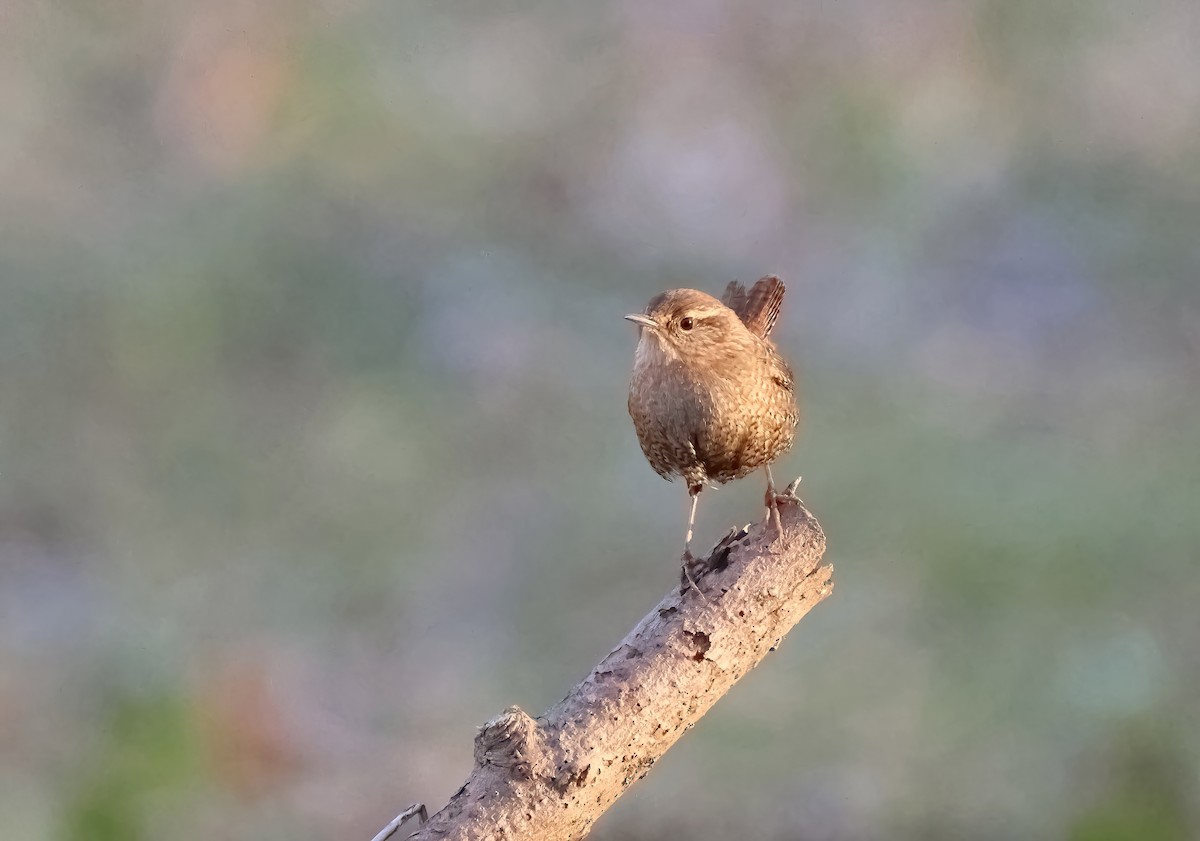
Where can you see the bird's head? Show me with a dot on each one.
(691, 325)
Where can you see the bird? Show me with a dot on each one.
(711, 398)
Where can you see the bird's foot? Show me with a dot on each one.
(773, 501)
(773, 517)
(416, 810)
(789, 493)
(688, 564)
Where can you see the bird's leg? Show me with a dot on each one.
(688, 560)
(694, 492)
(416, 809)
(772, 501)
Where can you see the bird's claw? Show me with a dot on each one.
(687, 563)
(416, 810)
(789, 493)
(774, 500)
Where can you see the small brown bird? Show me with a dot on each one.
(710, 397)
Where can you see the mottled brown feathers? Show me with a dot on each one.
(711, 398)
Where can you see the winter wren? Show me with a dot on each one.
(710, 397)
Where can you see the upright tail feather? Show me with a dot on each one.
(759, 307)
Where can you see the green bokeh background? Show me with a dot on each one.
(313, 446)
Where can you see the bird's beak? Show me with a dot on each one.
(642, 320)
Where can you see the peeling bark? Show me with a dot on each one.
(553, 776)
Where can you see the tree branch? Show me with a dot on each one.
(552, 777)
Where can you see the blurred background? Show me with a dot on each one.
(313, 443)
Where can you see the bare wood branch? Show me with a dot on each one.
(553, 776)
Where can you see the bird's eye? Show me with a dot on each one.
(686, 323)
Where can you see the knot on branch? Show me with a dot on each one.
(510, 740)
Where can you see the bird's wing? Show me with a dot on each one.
(759, 307)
